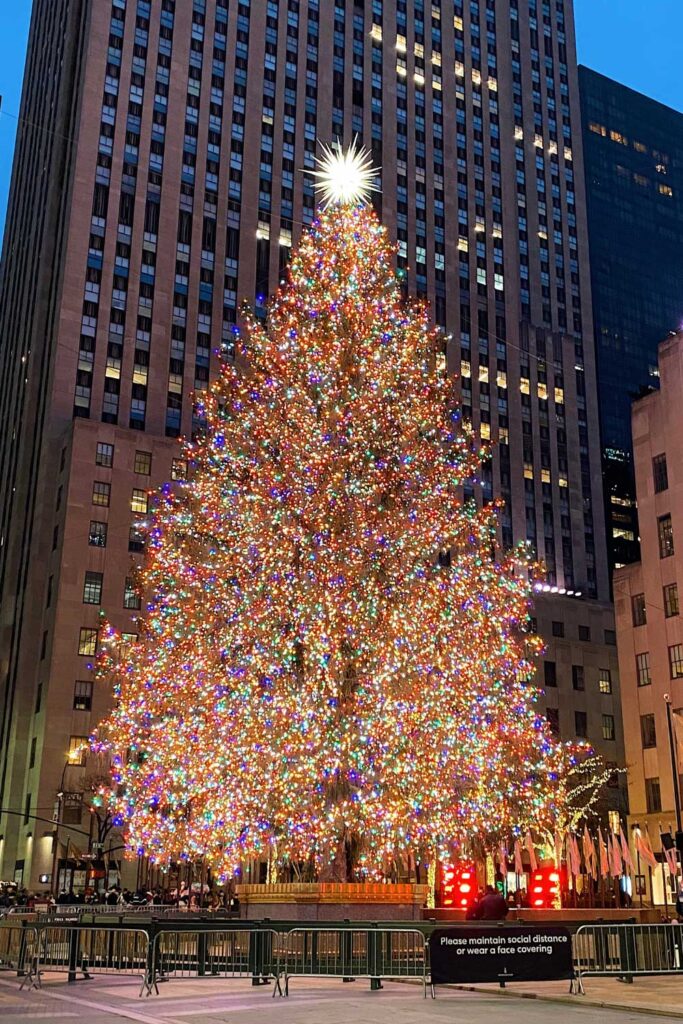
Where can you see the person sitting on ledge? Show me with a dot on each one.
(491, 907)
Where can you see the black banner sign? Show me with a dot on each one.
(538, 953)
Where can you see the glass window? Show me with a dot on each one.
(608, 727)
(72, 807)
(638, 609)
(78, 749)
(581, 724)
(179, 469)
(138, 501)
(550, 673)
(136, 538)
(131, 599)
(584, 632)
(87, 641)
(553, 717)
(610, 637)
(100, 493)
(670, 600)
(605, 680)
(104, 455)
(83, 695)
(129, 638)
(666, 536)
(97, 535)
(660, 474)
(92, 588)
(643, 668)
(578, 678)
(648, 733)
(653, 796)
(676, 661)
(558, 628)
(143, 463)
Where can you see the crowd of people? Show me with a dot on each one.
(14, 898)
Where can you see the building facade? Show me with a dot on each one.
(633, 155)
(178, 190)
(649, 627)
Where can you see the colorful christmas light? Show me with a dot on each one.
(309, 682)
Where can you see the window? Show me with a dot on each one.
(72, 805)
(660, 474)
(138, 501)
(577, 677)
(129, 638)
(581, 724)
(605, 681)
(608, 727)
(653, 796)
(39, 699)
(83, 695)
(558, 628)
(136, 538)
(100, 493)
(648, 733)
(78, 750)
(550, 673)
(643, 668)
(610, 637)
(143, 463)
(666, 536)
(638, 609)
(32, 756)
(131, 599)
(676, 661)
(87, 641)
(670, 600)
(97, 535)
(584, 633)
(27, 809)
(553, 717)
(92, 588)
(104, 456)
(179, 469)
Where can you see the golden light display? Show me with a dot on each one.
(309, 680)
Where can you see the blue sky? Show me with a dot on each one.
(638, 42)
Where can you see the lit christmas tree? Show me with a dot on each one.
(311, 681)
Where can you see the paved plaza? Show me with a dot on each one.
(106, 1001)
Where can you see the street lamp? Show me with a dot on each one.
(72, 758)
(674, 777)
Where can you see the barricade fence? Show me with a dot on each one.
(627, 950)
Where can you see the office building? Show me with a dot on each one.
(633, 155)
(159, 178)
(649, 625)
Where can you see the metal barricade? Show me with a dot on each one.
(18, 944)
(86, 950)
(625, 950)
(247, 954)
(349, 953)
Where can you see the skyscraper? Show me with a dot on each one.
(633, 153)
(170, 186)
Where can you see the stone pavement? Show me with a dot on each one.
(109, 1001)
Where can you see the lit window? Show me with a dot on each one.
(104, 455)
(666, 536)
(605, 681)
(676, 661)
(87, 641)
(129, 638)
(143, 463)
(92, 588)
(524, 385)
(618, 137)
(83, 695)
(131, 598)
(608, 727)
(670, 600)
(100, 493)
(465, 368)
(97, 535)
(665, 190)
(78, 750)
(139, 501)
(643, 668)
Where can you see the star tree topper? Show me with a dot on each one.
(345, 176)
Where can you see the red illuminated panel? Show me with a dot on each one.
(545, 888)
(459, 887)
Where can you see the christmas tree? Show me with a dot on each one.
(311, 680)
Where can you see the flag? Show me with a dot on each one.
(573, 857)
(589, 854)
(502, 860)
(626, 854)
(533, 863)
(558, 850)
(644, 848)
(671, 860)
(519, 867)
(615, 856)
(602, 849)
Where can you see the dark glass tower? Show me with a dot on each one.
(633, 158)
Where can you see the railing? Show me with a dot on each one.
(18, 944)
(75, 949)
(242, 953)
(625, 950)
(373, 953)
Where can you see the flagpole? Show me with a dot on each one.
(674, 766)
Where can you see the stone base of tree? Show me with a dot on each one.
(333, 901)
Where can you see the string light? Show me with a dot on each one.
(309, 680)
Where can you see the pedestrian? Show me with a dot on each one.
(491, 907)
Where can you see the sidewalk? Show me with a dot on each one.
(655, 995)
